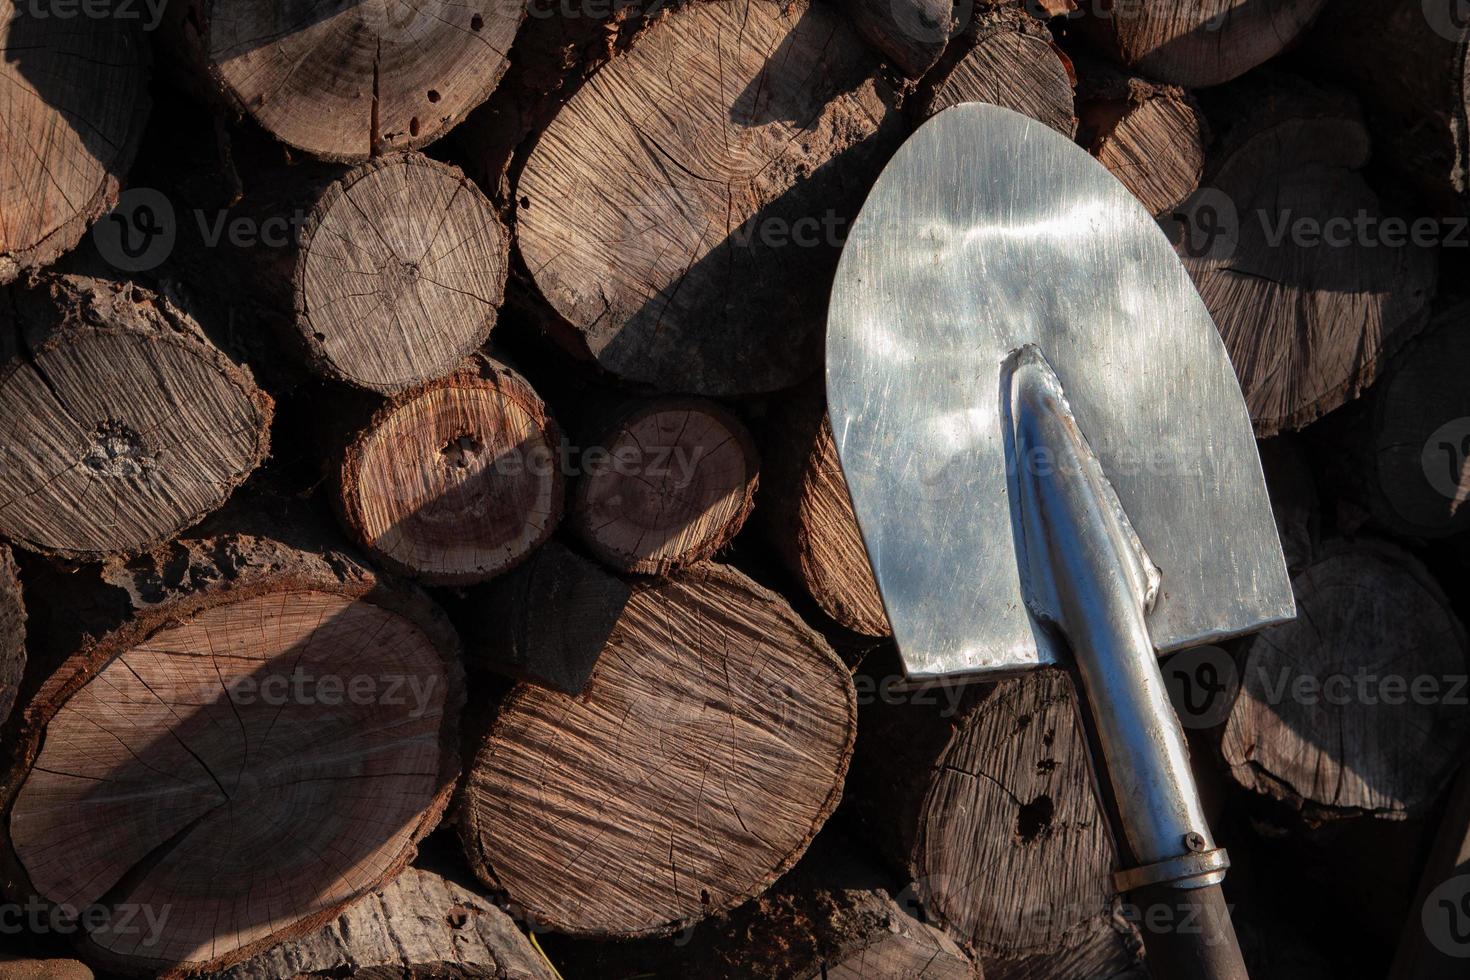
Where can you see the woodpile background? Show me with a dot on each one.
(423, 550)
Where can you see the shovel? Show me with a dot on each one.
(1051, 463)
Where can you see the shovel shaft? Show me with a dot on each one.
(1187, 933)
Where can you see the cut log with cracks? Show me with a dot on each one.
(12, 633)
(1434, 945)
(1007, 58)
(419, 927)
(387, 275)
(120, 423)
(911, 34)
(1196, 42)
(1356, 706)
(244, 739)
(1312, 281)
(671, 482)
(989, 809)
(75, 105)
(706, 751)
(344, 81)
(684, 225)
(806, 514)
(457, 480)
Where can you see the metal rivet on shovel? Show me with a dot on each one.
(1051, 462)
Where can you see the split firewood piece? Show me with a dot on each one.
(1356, 706)
(990, 810)
(684, 226)
(349, 81)
(1152, 137)
(245, 739)
(1007, 58)
(457, 480)
(12, 633)
(911, 34)
(547, 621)
(120, 423)
(706, 751)
(671, 482)
(1196, 42)
(806, 515)
(1435, 943)
(419, 926)
(77, 100)
(396, 272)
(1312, 286)
(1406, 62)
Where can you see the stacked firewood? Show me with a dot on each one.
(423, 549)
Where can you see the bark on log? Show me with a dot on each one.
(347, 81)
(1196, 42)
(120, 423)
(419, 927)
(1356, 706)
(1291, 254)
(26, 968)
(911, 34)
(546, 622)
(457, 480)
(12, 633)
(75, 109)
(673, 482)
(289, 733)
(1006, 58)
(1436, 936)
(707, 750)
(684, 226)
(393, 271)
(1407, 63)
(806, 514)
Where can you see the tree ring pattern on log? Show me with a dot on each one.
(347, 80)
(686, 222)
(1014, 64)
(456, 481)
(677, 483)
(76, 97)
(236, 773)
(402, 268)
(708, 748)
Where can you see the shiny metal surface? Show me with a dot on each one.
(988, 231)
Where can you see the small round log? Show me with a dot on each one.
(910, 34)
(673, 481)
(347, 81)
(247, 738)
(457, 480)
(120, 424)
(76, 102)
(12, 633)
(1356, 706)
(697, 765)
(684, 225)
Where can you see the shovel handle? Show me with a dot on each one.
(1187, 933)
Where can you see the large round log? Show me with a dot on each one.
(684, 226)
(345, 80)
(76, 101)
(245, 739)
(696, 766)
(457, 480)
(12, 633)
(120, 424)
(1358, 705)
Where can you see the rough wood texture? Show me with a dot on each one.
(911, 34)
(76, 99)
(1407, 62)
(120, 424)
(345, 81)
(247, 738)
(547, 622)
(806, 514)
(672, 483)
(457, 480)
(1290, 252)
(420, 926)
(12, 633)
(1196, 42)
(1356, 707)
(1006, 58)
(703, 756)
(1435, 943)
(684, 225)
(26, 968)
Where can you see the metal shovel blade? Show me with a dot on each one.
(988, 232)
